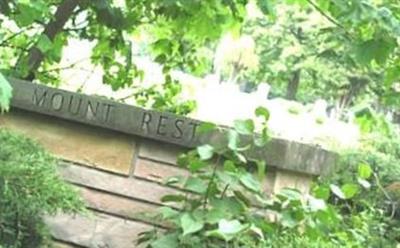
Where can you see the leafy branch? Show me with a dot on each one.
(329, 18)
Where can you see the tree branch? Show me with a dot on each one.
(6, 40)
(70, 66)
(329, 18)
(62, 15)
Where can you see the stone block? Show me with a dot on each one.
(269, 181)
(156, 171)
(294, 156)
(95, 230)
(119, 185)
(160, 151)
(117, 205)
(288, 179)
(92, 146)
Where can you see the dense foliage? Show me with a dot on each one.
(164, 98)
(342, 51)
(225, 205)
(331, 49)
(29, 189)
(35, 33)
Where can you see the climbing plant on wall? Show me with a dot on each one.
(222, 203)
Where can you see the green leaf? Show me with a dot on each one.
(171, 181)
(196, 185)
(216, 214)
(224, 208)
(291, 194)
(206, 127)
(374, 49)
(233, 140)
(230, 227)
(168, 212)
(196, 165)
(364, 183)
(205, 152)
(392, 74)
(364, 171)
(44, 44)
(321, 192)
(337, 191)
(241, 157)
(262, 112)
(183, 160)
(230, 166)
(27, 14)
(288, 220)
(5, 93)
(162, 46)
(189, 224)
(250, 183)
(227, 229)
(244, 148)
(266, 7)
(328, 217)
(316, 204)
(241, 197)
(244, 126)
(230, 205)
(166, 241)
(350, 190)
(324, 5)
(55, 53)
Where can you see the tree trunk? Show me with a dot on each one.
(62, 15)
(293, 85)
(356, 85)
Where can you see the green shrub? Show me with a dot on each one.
(224, 206)
(29, 189)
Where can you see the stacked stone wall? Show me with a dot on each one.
(118, 157)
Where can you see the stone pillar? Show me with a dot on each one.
(118, 156)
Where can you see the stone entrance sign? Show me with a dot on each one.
(166, 127)
(102, 112)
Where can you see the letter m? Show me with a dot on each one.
(38, 99)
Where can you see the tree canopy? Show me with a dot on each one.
(331, 49)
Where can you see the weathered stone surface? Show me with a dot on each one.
(91, 146)
(116, 205)
(130, 187)
(297, 157)
(57, 244)
(287, 179)
(156, 171)
(96, 230)
(154, 125)
(101, 112)
(268, 181)
(163, 152)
